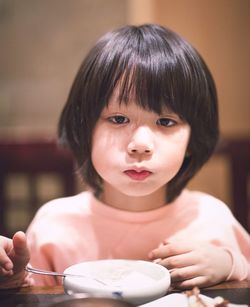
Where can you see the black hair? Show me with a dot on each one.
(156, 67)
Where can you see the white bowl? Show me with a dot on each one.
(135, 281)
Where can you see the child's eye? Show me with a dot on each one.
(118, 119)
(166, 122)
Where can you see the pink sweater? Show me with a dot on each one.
(80, 228)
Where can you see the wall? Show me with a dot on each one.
(42, 46)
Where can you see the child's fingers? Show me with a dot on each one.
(170, 249)
(199, 281)
(20, 244)
(14, 256)
(184, 273)
(5, 262)
(20, 253)
(179, 261)
(5, 247)
(157, 260)
(14, 253)
(5, 273)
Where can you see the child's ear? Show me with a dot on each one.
(188, 154)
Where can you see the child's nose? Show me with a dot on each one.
(141, 142)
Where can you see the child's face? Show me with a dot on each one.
(136, 152)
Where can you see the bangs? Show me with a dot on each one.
(143, 86)
(153, 71)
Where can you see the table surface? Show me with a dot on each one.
(237, 292)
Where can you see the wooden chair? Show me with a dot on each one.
(237, 151)
(33, 158)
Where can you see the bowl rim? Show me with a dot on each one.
(161, 284)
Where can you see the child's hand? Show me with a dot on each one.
(14, 256)
(193, 264)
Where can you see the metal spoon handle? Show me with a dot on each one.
(51, 273)
(44, 272)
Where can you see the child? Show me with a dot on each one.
(141, 119)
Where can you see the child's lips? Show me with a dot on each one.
(138, 174)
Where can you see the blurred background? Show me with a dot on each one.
(42, 46)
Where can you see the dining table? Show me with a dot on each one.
(237, 292)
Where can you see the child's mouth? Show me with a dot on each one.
(138, 175)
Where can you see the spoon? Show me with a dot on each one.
(51, 273)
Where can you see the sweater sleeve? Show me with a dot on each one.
(240, 267)
(236, 241)
(241, 256)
